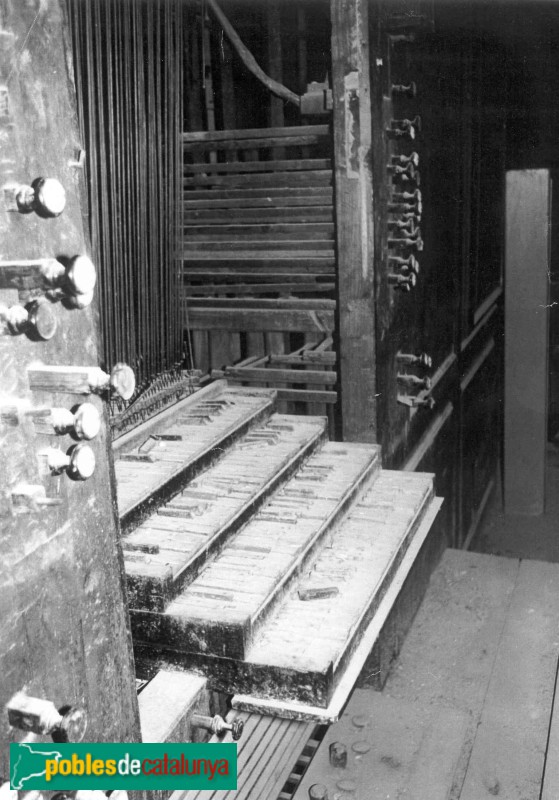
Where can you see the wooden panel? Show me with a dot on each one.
(526, 340)
(65, 634)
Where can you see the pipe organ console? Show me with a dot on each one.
(254, 551)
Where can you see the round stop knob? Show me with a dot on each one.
(123, 381)
(50, 197)
(72, 726)
(42, 717)
(46, 196)
(81, 276)
(42, 320)
(82, 462)
(79, 301)
(78, 462)
(87, 421)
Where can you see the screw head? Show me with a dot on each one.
(318, 791)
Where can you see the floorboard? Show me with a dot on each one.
(465, 713)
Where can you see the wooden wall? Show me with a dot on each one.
(453, 312)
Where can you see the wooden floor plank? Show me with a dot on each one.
(550, 788)
(508, 753)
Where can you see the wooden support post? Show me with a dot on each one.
(353, 180)
(275, 67)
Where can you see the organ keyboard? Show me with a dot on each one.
(256, 551)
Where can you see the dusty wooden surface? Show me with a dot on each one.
(254, 608)
(166, 552)
(220, 609)
(148, 472)
(465, 712)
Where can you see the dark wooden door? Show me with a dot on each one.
(65, 634)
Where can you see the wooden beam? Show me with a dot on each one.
(210, 289)
(225, 319)
(258, 264)
(270, 375)
(288, 303)
(354, 191)
(255, 133)
(260, 166)
(311, 177)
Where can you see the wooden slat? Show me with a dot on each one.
(277, 262)
(318, 396)
(279, 196)
(204, 319)
(319, 246)
(303, 214)
(308, 396)
(273, 375)
(255, 144)
(311, 304)
(274, 179)
(228, 277)
(210, 289)
(259, 166)
(275, 231)
(309, 357)
(255, 133)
